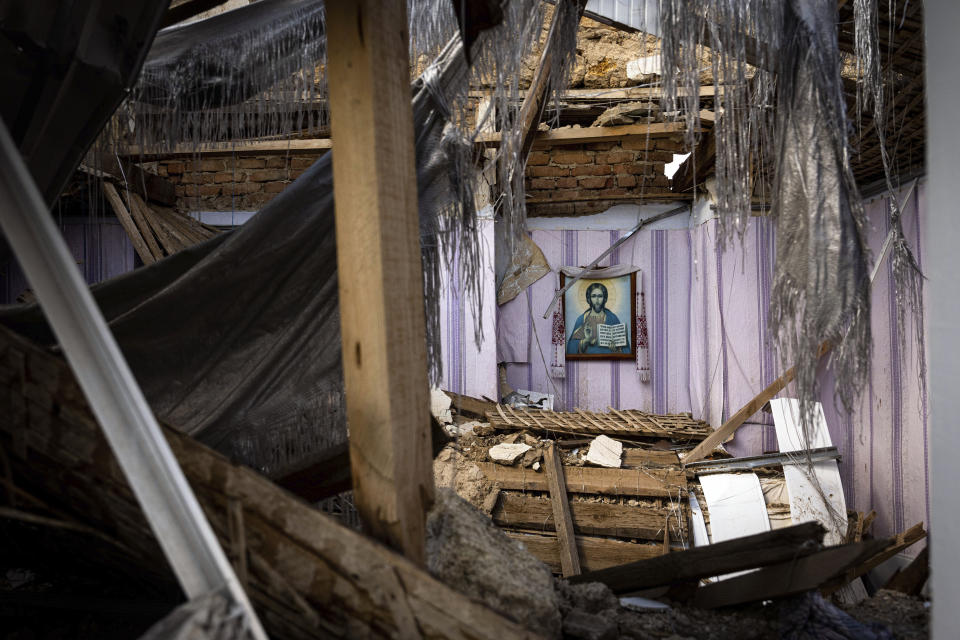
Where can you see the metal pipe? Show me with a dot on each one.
(115, 398)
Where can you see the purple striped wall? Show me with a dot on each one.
(101, 249)
(710, 353)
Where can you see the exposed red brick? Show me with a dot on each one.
(277, 162)
(613, 157)
(612, 193)
(543, 183)
(266, 175)
(547, 172)
(161, 169)
(206, 165)
(595, 182)
(174, 168)
(626, 181)
(301, 163)
(564, 194)
(572, 157)
(600, 146)
(251, 163)
(226, 176)
(275, 187)
(592, 170)
(179, 190)
(538, 158)
(209, 190)
(566, 183)
(190, 190)
(241, 188)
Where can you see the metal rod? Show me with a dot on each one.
(774, 459)
(114, 396)
(593, 265)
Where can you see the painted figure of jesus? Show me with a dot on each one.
(586, 332)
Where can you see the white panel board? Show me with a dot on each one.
(700, 537)
(816, 492)
(736, 505)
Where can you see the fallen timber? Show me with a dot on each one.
(307, 575)
(624, 423)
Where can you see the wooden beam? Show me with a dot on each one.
(611, 482)
(589, 518)
(137, 208)
(736, 420)
(181, 10)
(531, 111)
(889, 548)
(127, 223)
(315, 146)
(911, 579)
(563, 523)
(380, 273)
(758, 550)
(586, 135)
(595, 553)
(784, 579)
(474, 407)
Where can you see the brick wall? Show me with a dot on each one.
(603, 170)
(244, 183)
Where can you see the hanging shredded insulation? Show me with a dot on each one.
(780, 106)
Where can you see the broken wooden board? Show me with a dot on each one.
(633, 457)
(613, 482)
(560, 506)
(594, 553)
(308, 576)
(625, 423)
(892, 547)
(592, 518)
(911, 579)
(787, 578)
(470, 406)
(749, 552)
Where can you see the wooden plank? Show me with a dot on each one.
(911, 579)
(614, 482)
(306, 146)
(784, 579)
(749, 552)
(889, 548)
(703, 449)
(586, 135)
(590, 518)
(633, 457)
(595, 553)
(180, 10)
(146, 184)
(170, 243)
(137, 205)
(531, 111)
(474, 407)
(380, 274)
(127, 223)
(563, 523)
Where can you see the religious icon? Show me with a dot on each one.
(598, 315)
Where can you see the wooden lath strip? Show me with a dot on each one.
(126, 221)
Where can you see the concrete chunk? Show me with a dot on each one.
(605, 452)
(506, 453)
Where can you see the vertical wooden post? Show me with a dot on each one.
(379, 270)
(569, 557)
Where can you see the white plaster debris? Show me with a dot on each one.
(440, 406)
(461, 430)
(605, 452)
(506, 453)
(643, 68)
(536, 466)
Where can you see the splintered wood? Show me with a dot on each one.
(623, 424)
